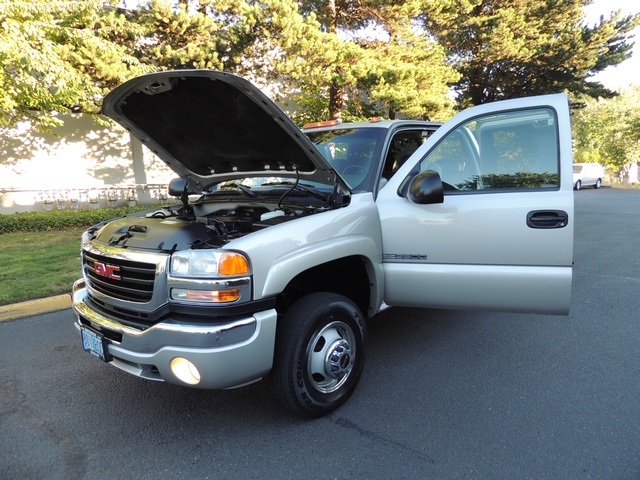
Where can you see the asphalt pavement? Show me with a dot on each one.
(445, 394)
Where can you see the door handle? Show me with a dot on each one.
(547, 219)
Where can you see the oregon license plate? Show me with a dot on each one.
(94, 343)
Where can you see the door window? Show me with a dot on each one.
(507, 151)
(401, 147)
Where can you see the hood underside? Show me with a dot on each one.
(211, 126)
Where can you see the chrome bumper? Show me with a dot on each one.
(227, 355)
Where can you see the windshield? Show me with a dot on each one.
(351, 152)
(577, 168)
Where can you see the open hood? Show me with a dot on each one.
(211, 126)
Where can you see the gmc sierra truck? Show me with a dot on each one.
(284, 242)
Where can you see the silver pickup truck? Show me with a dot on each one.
(284, 242)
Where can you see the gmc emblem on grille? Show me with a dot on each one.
(108, 271)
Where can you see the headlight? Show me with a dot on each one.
(208, 264)
(86, 237)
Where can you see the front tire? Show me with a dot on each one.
(319, 354)
(578, 185)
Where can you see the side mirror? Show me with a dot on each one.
(425, 188)
(177, 188)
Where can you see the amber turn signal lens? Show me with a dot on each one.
(232, 264)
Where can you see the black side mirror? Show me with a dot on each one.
(425, 188)
(177, 188)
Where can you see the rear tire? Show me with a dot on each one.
(598, 183)
(319, 354)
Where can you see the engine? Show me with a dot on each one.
(172, 229)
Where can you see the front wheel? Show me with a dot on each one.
(319, 354)
(578, 185)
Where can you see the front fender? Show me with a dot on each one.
(290, 266)
(281, 252)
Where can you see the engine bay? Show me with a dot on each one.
(232, 223)
(206, 225)
(217, 217)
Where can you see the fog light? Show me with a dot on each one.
(185, 371)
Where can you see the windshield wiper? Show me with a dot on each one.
(310, 189)
(239, 186)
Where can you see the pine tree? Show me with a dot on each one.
(513, 48)
(390, 68)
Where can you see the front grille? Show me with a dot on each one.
(135, 282)
(126, 316)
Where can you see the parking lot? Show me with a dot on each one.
(445, 394)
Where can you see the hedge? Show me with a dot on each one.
(61, 219)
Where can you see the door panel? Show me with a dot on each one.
(479, 287)
(503, 237)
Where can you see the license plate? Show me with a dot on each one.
(95, 344)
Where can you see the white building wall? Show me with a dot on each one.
(83, 160)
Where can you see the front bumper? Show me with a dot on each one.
(227, 354)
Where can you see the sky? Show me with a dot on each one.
(628, 72)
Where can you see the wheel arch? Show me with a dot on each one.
(351, 276)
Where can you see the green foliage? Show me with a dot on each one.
(63, 219)
(176, 39)
(307, 108)
(508, 49)
(607, 131)
(333, 58)
(61, 56)
(387, 70)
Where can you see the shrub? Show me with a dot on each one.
(61, 219)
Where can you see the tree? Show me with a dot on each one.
(64, 56)
(269, 42)
(607, 131)
(59, 57)
(389, 68)
(303, 57)
(238, 36)
(174, 38)
(333, 16)
(408, 72)
(512, 48)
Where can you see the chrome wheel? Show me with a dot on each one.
(331, 356)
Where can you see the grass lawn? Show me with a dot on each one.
(37, 265)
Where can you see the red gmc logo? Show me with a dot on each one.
(108, 271)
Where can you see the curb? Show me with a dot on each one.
(34, 307)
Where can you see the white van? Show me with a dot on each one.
(587, 174)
